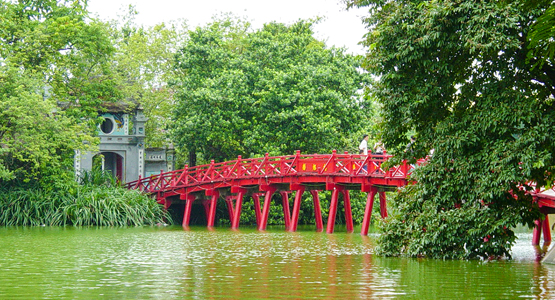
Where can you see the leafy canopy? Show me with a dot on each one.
(273, 90)
(456, 74)
(51, 55)
(143, 64)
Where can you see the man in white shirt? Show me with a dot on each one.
(363, 147)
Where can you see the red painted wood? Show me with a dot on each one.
(348, 213)
(331, 170)
(383, 205)
(293, 169)
(536, 233)
(333, 210)
(317, 211)
(188, 205)
(296, 209)
(237, 210)
(212, 213)
(229, 204)
(286, 212)
(257, 212)
(187, 212)
(266, 209)
(368, 211)
(546, 230)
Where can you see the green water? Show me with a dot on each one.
(172, 263)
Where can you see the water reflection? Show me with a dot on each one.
(170, 263)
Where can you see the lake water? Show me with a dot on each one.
(173, 263)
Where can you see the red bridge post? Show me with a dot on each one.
(383, 205)
(215, 194)
(238, 205)
(348, 212)
(296, 206)
(333, 209)
(270, 190)
(546, 230)
(187, 211)
(256, 198)
(536, 234)
(229, 204)
(317, 211)
(286, 212)
(368, 211)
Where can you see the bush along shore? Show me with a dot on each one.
(97, 201)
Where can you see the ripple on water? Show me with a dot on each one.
(170, 263)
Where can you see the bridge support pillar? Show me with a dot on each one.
(257, 213)
(317, 211)
(270, 190)
(333, 210)
(296, 208)
(286, 212)
(187, 211)
(536, 234)
(211, 215)
(383, 205)
(238, 205)
(334, 205)
(368, 211)
(546, 230)
(348, 212)
(229, 204)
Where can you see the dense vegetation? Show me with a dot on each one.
(473, 80)
(51, 56)
(272, 90)
(98, 200)
(275, 90)
(57, 66)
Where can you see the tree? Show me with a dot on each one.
(143, 64)
(51, 56)
(542, 44)
(274, 90)
(456, 74)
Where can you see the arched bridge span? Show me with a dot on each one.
(260, 178)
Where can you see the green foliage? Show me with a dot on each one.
(51, 56)
(98, 177)
(143, 64)
(83, 205)
(542, 44)
(274, 90)
(456, 74)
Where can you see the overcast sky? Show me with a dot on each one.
(340, 27)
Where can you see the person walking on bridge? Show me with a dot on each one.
(379, 148)
(363, 147)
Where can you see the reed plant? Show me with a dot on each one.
(97, 201)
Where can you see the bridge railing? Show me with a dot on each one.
(289, 165)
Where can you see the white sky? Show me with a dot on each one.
(340, 27)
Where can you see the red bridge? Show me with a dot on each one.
(262, 177)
